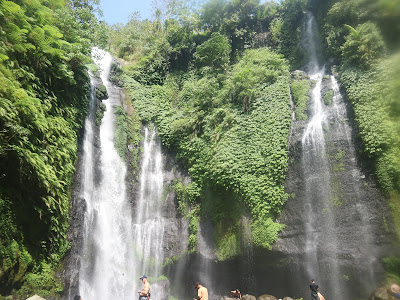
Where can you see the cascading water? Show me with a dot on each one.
(247, 268)
(107, 257)
(118, 245)
(149, 223)
(365, 240)
(321, 241)
(338, 235)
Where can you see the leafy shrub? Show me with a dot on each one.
(101, 108)
(244, 154)
(328, 97)
(374, 95)
(44, 91)
(213, 53)
(115, 73)
(153, 67)
(101, 92)
(257, 69)
(299, 89)
(265, 231)
(364, 44)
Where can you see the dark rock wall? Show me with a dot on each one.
(362, 222)
(70, 272)
(357, 202)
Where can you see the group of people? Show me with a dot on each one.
(202, 292)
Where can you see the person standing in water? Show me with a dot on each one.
(314, 290)
(144, 293)
(202, 293)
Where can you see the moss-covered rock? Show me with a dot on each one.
(101, 92)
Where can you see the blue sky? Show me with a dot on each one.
(118, 11)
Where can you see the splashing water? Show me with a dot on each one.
(107, 259)
(119, 246)
(321, 242)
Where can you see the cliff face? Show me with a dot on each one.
(70, 272)
(175, 226)
(353, 229)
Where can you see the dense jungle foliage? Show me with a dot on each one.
(220, 100)
(214, 80)
(44, 85)
(222, 107)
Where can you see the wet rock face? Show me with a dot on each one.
(70, 273)
(353, 226)
(176, 228)
(381, 293)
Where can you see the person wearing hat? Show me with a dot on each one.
(202, 293)
(144, 294)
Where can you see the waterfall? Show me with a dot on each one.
(106, 257)
(120, 243)
(247, 268)
(321, 242)
(339, 226)
(365, 240)
(149, 223)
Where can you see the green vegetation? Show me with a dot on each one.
(44, 88)
(224, 110)
(225, 129)
(392, 267)
(394, 203)
(374, 98)
(299, 90)
(363, 36)
(328, 97)
(187, 206)
(101, 108)
(101, 92)
(216, 85)
(115, 73)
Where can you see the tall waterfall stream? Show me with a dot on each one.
(118, 245)
(338, 245)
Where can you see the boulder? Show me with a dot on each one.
(248, 297)
(266, 297)
(35, 297)
(395, 288)
(381, 294)
(288, 298)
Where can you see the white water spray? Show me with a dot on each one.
(149, 222)
(321, 242)
(107, 257)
